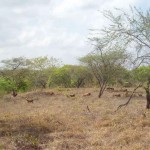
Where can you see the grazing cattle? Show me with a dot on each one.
(50, 93)
(123, 90)
(87, 94)
(110, 89)
(72, 95)
(117, 95)
(139, 94)
(29, 100)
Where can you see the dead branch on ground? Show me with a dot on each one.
(88, 108)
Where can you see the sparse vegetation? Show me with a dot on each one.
(59, 122)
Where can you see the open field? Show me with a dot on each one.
(61, 122)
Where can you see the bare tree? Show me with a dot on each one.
(130, 31)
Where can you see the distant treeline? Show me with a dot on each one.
(22, 74)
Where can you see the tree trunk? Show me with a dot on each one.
(102, 88)
(14, 93)
(148, 101)
(100, 93)
(148, 94)
(80, 82)
(44, 86)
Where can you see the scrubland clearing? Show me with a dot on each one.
(60, 122)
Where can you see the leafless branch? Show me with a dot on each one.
(125, 104)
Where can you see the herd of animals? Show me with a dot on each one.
(116, 93)
(123, 92)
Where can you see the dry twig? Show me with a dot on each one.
(88, 108)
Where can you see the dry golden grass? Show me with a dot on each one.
(59, 122)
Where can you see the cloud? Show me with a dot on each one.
(57, 28)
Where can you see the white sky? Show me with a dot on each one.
(58, 28)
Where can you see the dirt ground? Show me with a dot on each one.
(67, 120)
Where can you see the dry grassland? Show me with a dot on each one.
(61, 122)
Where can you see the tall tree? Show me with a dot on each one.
(105, 64)
(130, 30)
(14, 70)
(40, 68)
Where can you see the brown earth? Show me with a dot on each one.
(61, 122)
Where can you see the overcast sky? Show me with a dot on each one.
(57, 28)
